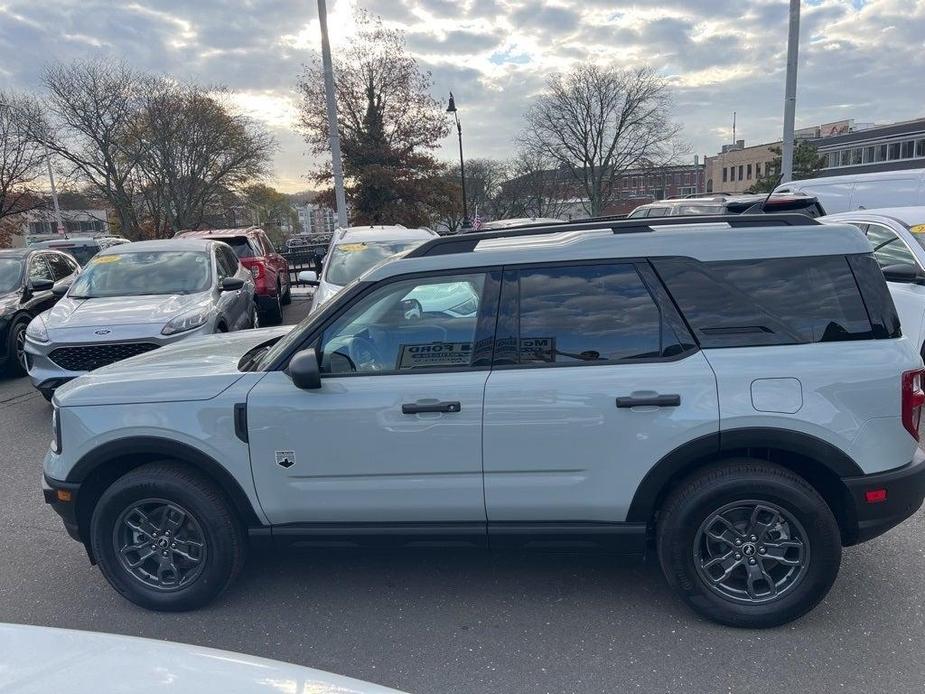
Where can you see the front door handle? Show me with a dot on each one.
(420, 407)
(668, 400)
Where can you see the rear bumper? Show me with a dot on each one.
(905, 491)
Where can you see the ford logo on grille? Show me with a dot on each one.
(104, 331)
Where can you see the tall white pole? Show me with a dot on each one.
(334, 136)
(790, 97)
(54, 194)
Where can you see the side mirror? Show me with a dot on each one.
(230, 284)
(40, 285)
(906, 273)
(304, 370)
(60, 290)
(309, 277)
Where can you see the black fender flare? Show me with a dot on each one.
(700, 451)
(150, 448)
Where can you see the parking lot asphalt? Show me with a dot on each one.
(446, 622)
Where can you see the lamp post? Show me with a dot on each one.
(451, 108)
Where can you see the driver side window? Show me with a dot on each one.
(409, 325)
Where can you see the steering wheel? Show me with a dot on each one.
(364, 354)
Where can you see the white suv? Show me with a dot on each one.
(732, 392)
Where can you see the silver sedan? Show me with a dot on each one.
(136, 297)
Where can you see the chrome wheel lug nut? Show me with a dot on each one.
(752, 561)
(753, 538)
(738, 541)
(738, 556)
(762, 550)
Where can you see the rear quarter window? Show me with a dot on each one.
(773, 301)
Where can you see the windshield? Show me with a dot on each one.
(350, 260)
(136, 274)
(918, 233)
(10, 274)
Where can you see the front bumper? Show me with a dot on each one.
(47, 375)
(904, 491)
(62, 497)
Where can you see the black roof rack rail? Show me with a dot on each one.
(465, 243)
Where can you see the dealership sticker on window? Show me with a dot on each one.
(352, 247)
(101, 259)
(435, 354)
(918, 229)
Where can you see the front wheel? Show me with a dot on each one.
(166, 538)
(16, 347)
(748, 544)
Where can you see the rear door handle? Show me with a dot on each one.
(420, 407)
(668, 400)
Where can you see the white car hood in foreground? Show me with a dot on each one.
(40, 660)
(119, 310)
(194, 369)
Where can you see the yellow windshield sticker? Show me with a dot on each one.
(918, 229)
(100, 259)
(351, 247)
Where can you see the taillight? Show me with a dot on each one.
(257, 270)
(913, 399)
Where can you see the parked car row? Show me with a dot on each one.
(732, 393)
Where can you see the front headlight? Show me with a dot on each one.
(36, 330)
(55, 430)
(186, 321)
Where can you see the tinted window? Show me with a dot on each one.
(659, 211)
(60, 265)
(409, 325)
(38, 270)
(580, 314)
(888, 247)
(10, 274)
(639, 213)
(140, 273)
(242, 247)
(768, 301)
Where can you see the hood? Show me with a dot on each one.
(37, 660)
(193, 369)
(120, 310)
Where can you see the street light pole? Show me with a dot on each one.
(451, 108)
(333, 134)
(790, 98)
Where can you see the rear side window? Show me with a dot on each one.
(584, 314)
(242, 247)
(768, 301)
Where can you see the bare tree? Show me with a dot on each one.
(538, 187)
(21, 157)
(89, 104)
(189, 147)
(597, 122)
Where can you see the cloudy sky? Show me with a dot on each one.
(861, 59)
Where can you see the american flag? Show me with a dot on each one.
(477, 222)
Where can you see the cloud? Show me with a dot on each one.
(861, 60)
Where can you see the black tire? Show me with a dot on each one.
(14, 367)
(805, 526)
(287, 295)
(47, 394)
(273, 313)
(207, 514)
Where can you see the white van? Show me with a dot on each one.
(863, 191)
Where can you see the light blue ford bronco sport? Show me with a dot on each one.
(732, 393)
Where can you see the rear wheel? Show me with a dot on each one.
(166, 538)
(748, 544)
(16, 347)
(287, 295)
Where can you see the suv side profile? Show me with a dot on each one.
(736, 396)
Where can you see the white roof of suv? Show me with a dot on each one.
(382, 233)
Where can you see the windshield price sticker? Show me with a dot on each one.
(435, 354)
(101, 259)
